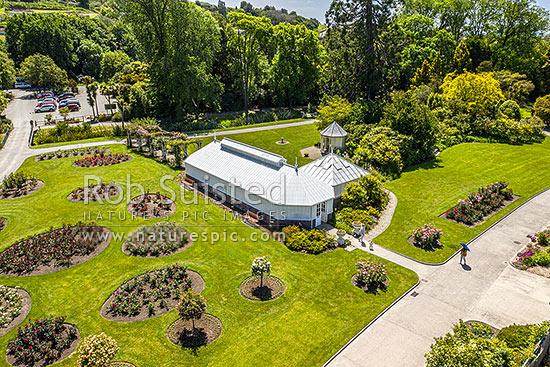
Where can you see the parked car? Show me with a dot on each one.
(45, 95)
(45, 102)
(22, 85)
(45, 108)
(66, 102)
(65, 95)
(73, 107)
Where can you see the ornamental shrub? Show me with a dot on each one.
(542, 258)
(370, 273)
(510, 109)
(346, 216)
(97, 351)
(542, 108)
(427, 236)
(543, 238)
(191, 306)
(260, 265)
(311, 242)
(368, 192)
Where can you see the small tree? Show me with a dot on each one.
(64, 112)
(97, 351)
(260, 265)
(542, 108)
(191, 306)
(49, 117)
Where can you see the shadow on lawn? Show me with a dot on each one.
(432, 164)
(193, 340)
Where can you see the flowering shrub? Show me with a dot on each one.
(427, 236)
(151, 205)
(71, 153)
(524, 260)
(97, 351)
(479, 204)
(54, 248)
(191, 306)
(42, 341)
(159, 239)
(101, 159)
(311, 242)
(370, 273)
(260, 265)
(16, 180)
(95, 192)
(10, 305)
(149, 289)
(543, 238)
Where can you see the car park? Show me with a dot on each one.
(22, 85)
(45, 108)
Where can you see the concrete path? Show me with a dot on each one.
(253, 129)
(487, 290)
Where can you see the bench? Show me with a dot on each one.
(252, 218)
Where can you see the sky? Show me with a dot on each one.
(311, 8)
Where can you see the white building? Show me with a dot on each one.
(264, 184)
(333, 137)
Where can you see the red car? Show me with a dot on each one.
(73, 107)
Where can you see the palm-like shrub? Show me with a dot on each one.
(97, 351)
(260, 266)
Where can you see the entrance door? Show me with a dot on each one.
(318, 216)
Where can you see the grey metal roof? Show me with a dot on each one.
(334, 131)
(252, 168)
(334, 170)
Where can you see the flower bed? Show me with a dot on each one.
(206, 330)
(151, 206)
(42, 342)
(344, 218)
(161, 239)
(54, 250)
(3, 222)
(481, 204)
(535, 257)
(101, 160)
(150, 294)
(370, 276)
(71, 153)
(15, 305)
(17, 185)
(94, 193)
(427, 237)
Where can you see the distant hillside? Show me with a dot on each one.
(276, 16)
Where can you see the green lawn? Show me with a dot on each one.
(427, 191)
(91, 140)
(249, 126)
(299, 137)
(320, 311)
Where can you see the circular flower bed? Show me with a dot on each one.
(255, 288)
(100, 160)
(207, 329)
(42, 342)
(151, 206)
(18, 185)
(427, 237)
(161, 239)
(150, 294)
(54, 250)
(15, 305)
(370, 276)
(71, 153)
(95, 193)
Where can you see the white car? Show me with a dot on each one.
(45, 108)
(22, 85)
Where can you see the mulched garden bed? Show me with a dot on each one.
(55, 250)
(65, 353)
(504, 205)
(102, 160)
(412, 242)
(370, 288)
(160, 239)
(121, 364)
(3, 222)
(151, 206)
(25, 305)
(207, 329)
(28, 188)
(272, 288)
(95, 193)
(132, 295)
(535, 256)
(71, 153)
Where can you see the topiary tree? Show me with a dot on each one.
(510, 109)
(260, 266)
(542, 108)
(97, 351)
(191, 306)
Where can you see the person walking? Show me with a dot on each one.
(463, 254)
(362, 232)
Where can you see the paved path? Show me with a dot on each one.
(488, 290)
(253, 129)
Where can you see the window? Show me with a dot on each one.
(324, 207)
(319, 210)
